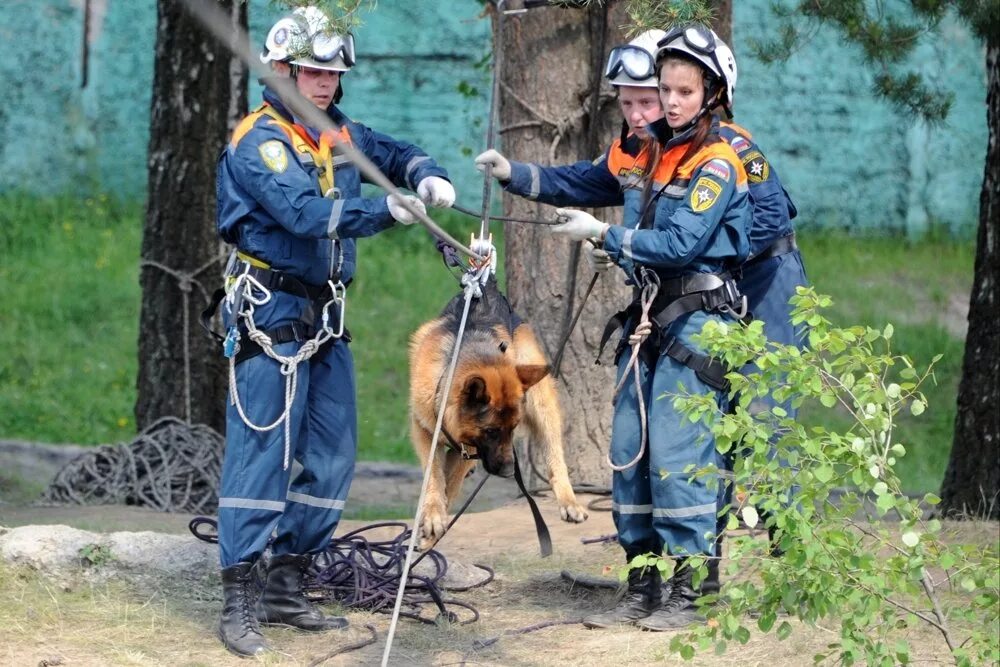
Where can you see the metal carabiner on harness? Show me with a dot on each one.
(338, 293)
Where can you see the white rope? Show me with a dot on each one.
(471, 280)
(651, 285)
(289, 365)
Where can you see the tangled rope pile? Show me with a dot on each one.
(362, 573)
(172, 466)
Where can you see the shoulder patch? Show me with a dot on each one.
(757, 168)
(717, 168)
(739, 144)
(274, 155)
(704, 194)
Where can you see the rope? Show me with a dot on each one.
(289, 364)
(171, 466)
(363, 573)
(184, 283)
(651, 285)
(471, 287)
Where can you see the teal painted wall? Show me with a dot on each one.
(846, 159)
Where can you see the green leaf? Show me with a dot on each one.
(892, 391)
(887, 332)
(898, 449)
(911, 539)
(732, 523)
(931, 499)
(742, 635)
(823, 473)
(687, 651)
(917, 408)
(969, 584)
(766, 622)
(784, 630)
(880, 488)
(750, 517)
(828, 399)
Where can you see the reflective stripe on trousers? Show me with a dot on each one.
(675, 510)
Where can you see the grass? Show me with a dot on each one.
(70, 308)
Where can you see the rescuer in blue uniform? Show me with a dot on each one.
(687, 220)
(291, 205)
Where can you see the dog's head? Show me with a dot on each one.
(488, 399)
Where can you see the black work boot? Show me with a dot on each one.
(284, 603)
(678, 610)
(238, 627)
(641, 598)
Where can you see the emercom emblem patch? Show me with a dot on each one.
(756, 166)
(274, 156)
(704, 195)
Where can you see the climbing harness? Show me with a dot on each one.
(656, 306)
(251, 283)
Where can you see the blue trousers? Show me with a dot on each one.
(257, 497)
(768, 285)
(656, 504)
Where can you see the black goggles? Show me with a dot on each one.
(327, 47)
(697, 37)
(636, 62)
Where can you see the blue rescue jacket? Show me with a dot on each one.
(773, 209)
(271, 203)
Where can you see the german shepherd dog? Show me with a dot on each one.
(501, 384)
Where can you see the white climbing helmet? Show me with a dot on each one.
(305, 38)
(702, 44)
(633, 64)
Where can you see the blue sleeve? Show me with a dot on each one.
(681, 238)
(585, 183)
(773, 208)
(404, 164)
(264, 163)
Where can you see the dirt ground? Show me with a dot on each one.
(81, 623)
(45, 623)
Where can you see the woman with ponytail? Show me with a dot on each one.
(686, 230)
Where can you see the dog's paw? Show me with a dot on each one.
(433, 524)
(573, 512)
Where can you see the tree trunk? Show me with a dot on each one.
(553, 62)
(197, 91)
(971, 486)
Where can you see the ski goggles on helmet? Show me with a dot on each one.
(636, 62)
(327, 47)
(698, 38)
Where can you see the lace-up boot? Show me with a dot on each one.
(678, 609)
(284, 603)
(238, 628)
(641, 597)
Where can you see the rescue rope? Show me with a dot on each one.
(651, 285)
(471, 288)
(363, 573)
(172, 466)
(185, 281)
(289, 364)
(503, 218)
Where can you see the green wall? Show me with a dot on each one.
(845, 157)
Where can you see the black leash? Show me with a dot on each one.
(544, 539)
(572, 325)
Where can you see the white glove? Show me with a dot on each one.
(578, 225)
(399, 213)
(500, 164)
(437, 192)
(597, 259)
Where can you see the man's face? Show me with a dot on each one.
(640, 106)
(318, 85)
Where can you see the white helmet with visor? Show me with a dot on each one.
(704, 46)
(305, 38)
(633, 64)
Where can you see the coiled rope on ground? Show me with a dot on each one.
(172, 466)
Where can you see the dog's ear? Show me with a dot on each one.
(474, 394)
(529, 375)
